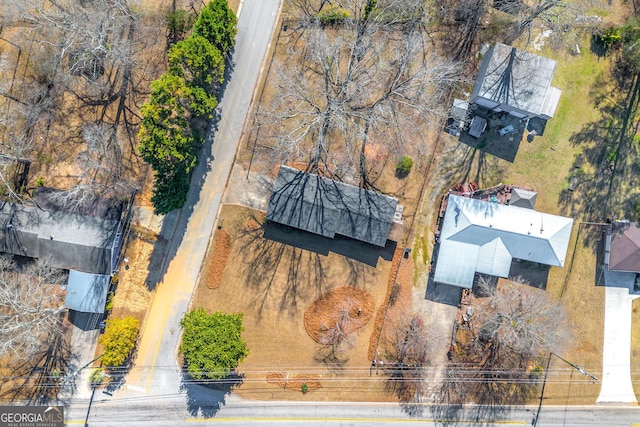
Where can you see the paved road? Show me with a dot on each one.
(196, 220)
(171, 411)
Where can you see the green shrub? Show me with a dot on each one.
(610, 36)
(179, 23)
(212, 344)
(40, 182)
(96, 377)
(304, 388)
(404, 165)
(333, 15)
(109, 306)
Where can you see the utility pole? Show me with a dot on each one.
(544, 381)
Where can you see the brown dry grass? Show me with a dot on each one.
(272, 284)
(349, 308)
(382, 311)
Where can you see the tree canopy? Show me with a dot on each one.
(368, 78)
(630, 33)
(511, 330)
(217, 24)
(197, 61)
(30, 307)
(171, 120)
(212, 344)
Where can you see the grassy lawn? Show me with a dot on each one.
(575, 286)
(546, 164)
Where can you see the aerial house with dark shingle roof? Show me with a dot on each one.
(326, 207)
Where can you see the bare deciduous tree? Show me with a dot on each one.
(30, 307)
(76, 63)
(518, 322)
(513, 327)
(374, 76)
(336, 340)
(406, 350)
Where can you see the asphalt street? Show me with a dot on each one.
(195, 222)
(172, 411)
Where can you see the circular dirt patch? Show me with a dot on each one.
(338, 313)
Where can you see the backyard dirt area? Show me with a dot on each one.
(277, 275)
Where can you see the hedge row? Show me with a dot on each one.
(169, 139)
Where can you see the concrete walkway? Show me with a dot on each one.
(253, 193)
(616, 358)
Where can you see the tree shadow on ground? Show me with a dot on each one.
(477, 396)
(300, 259)
(334, 356)
(606, 186)
(407, 384)
(270, 260)
(38, 379)
(206, 397)
(468, 164)
(597, 47)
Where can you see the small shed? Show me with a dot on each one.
(523, 198)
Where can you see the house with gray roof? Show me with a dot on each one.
(327, 207)
(517, 82)
(83, 238)
(480, 236)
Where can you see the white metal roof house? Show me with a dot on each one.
(517, 82)
(484, 237)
